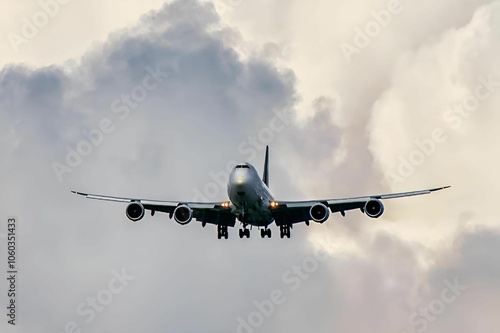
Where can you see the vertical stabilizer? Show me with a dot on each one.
(265, 177)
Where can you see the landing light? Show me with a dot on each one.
(225, 204)
(274, 204)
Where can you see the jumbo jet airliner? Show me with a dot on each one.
(251, 203)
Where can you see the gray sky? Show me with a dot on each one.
(354, 97)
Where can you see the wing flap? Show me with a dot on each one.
(213, 216)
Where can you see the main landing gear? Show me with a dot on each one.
(222, 231)
(245, 233)
(285, 231)
(265, 232)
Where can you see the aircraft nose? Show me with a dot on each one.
(239, 180)
(240, 184)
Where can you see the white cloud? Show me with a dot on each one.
(228, 73)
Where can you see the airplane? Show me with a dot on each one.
(251, 203)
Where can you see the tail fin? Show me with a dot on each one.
(265, 177)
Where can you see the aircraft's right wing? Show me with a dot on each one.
(204, 212)
(290, 212)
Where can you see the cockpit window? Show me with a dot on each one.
(242, 166)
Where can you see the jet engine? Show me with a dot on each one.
(374, 208)
(319, 213)
(183, 214)
(135, 211)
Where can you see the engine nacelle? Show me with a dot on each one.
(319, 213)
(183, 214)
(135, 211)
(374, 208)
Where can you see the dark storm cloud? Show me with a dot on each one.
(33, 99)
(209, 102)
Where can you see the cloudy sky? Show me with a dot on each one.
(354, 97)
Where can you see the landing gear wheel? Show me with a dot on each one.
(222, 231)
(262, 233)
(285, 231)
(245, 233)
(265, 233)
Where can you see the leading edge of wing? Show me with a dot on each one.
(292, 204)
(149, 202)
(104, 197)
(409, 194)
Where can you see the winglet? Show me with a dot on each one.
(439, 188)
(265, 177)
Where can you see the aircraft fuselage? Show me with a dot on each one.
(250, 197)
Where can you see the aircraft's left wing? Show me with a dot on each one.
(290, 212)
(205, 212)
